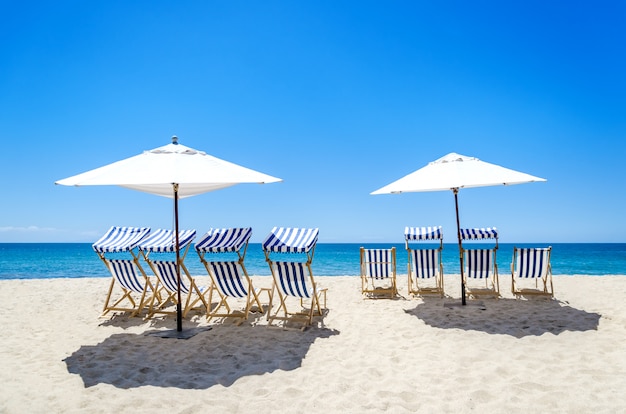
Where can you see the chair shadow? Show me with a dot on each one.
(518, 318)
(125, 321)
(221, 355)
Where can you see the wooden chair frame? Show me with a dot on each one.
(312, 300)
(137, 290)
(378, 272)
(542, 276)
(227, 288)
(165, 271)
(238, 284)
(424, 266)
(293, 281)
(146, 290)
(481, 268)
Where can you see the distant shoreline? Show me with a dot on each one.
(78, 260)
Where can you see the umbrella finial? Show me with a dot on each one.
(175, 140)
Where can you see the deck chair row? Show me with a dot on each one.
(292, 278)
(531, 272)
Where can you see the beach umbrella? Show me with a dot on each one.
(173, 171)
(453, 172)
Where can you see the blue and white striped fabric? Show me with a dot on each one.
(423, 233)
(228, 280)
(224, 240)
(290, 240)
(125, 273)
(378, 263)
(533, 262)
(292, 278)
(120, 239)
(426, 263)
(479, 263)
(481, 233)
(166, 272)
(164, 241)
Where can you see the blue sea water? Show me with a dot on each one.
(76, 260)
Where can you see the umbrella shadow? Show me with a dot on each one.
(221, 355)
(518, 318)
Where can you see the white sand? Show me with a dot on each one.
(406, 355)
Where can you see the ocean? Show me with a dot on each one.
(78, 260)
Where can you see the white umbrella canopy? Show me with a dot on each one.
(174, 171)
(453, 172)
(456, 171)
(155, 171)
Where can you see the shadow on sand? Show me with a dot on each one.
(517, 318)
(221, 355)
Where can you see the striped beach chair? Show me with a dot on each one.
(425, 269)
(481, 270)
(162, 242)
(130, 285)
(531, 272)
(293, 280)
(378, 272)
(230, 279)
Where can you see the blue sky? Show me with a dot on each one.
(337, 98)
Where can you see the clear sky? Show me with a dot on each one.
(337, 98)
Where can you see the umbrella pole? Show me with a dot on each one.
(179, 312)
(458, 233)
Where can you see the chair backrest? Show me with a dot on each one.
(293, 279)
(224, 240)
(479, 233)
(124, 271)
(228, 279)
(290, 240)
(378, 263)
(479, 263)
(166, 272)
(423, 233)
(164, 241)
(120, 239)
(532, 262)
(425, 263)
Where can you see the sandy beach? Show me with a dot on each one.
(405, 355)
